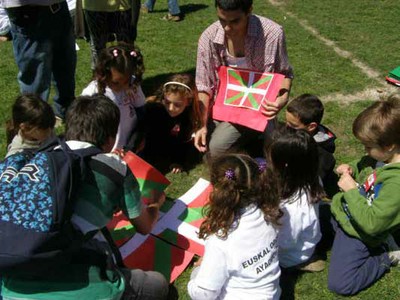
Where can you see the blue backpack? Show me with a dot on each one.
(37, 191)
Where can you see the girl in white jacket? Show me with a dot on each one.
(294, 158)
(241, 251)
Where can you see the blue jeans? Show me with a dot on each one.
(173, 6)
(354, 266)
(44, 49)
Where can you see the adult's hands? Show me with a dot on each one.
(200, 139)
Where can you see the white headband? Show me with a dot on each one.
(177, 83)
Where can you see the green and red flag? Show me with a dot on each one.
(173, 241)
(149, 178)
(240, 95)
(180, 225)
(150, 253)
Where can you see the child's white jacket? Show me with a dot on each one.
(300, 231)
(242, 266)
(126, 102)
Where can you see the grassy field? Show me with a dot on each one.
(349, 49)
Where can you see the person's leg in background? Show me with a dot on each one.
(97, 23)
(32, 48)
(173, 7)
(148, 6)
(120, 26)
(64, 61)
(135, 18)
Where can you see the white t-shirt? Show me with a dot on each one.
(300, 231)
(242, 266)
(126, 105)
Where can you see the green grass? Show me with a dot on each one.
(366, 28)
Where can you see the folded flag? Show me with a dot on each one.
(395, 73)
(149, 178)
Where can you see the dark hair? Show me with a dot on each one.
(93, 119)
(124, 58)
(379, 123)
(294, 157)
(308, 108)
(195, 114)
(31, 110)
(243, 5)
(244, 185)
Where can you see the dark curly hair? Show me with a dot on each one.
(124, 58)
(237, 183)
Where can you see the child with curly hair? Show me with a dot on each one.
(118, 74)
(241, 251)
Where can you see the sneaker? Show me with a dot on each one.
(173, 18)
(312, 266)
(144, 9)
(59, 122)
(394, 257)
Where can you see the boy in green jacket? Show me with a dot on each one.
(367, 211)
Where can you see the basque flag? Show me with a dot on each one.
(241, 93)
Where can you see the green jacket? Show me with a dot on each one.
(372, 217)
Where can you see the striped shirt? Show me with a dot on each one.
(265, 51)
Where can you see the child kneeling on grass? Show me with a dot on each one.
(367, 211)
(241, 251)
(108, 186)
(293, 155)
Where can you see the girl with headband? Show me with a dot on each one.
(164, 137)
(240, 227)
(118, 76)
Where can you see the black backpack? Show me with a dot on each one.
(37, 191)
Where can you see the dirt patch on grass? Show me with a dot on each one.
(371, 94)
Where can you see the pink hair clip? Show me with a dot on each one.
(115, 52)
(133, 53)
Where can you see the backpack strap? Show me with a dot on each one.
(76, 164)
(115, 250)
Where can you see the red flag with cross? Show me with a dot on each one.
(241, 93)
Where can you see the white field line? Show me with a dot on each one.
(368, 94)
(373, 94)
